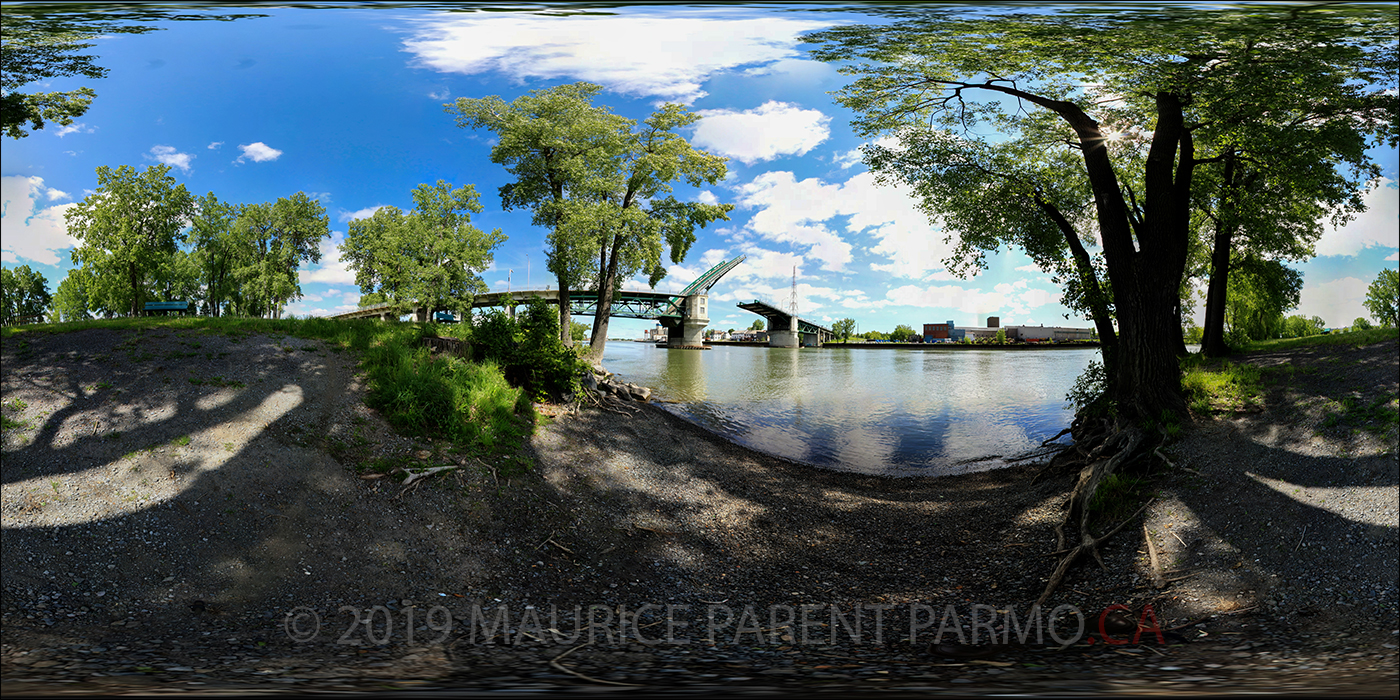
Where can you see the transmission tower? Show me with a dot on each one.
(792, 301)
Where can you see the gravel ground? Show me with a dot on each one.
(252, 554)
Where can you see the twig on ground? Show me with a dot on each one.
(555, 663)
(1152, 557)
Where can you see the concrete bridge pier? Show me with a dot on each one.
(782, 331)
(689, 331)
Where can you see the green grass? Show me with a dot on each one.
(181, 441)
(7, 423)
(16, 405)
(1354, 338)
(470, 403)
(1381, 416)
(1223, 387)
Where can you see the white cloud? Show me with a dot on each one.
(773, 129)
(440, 95)
(1377, 227)
(707, 197)
(332, 269)
(215, 145)
(1337, 302)
(1028, 268)
(74, 128)
(853, 157)
(668, 56)
(28, 231)
(942, 276)
(1393, 256)
(347, 216)
(53, 194)
(171, 157)
(793, 212)
(258, 152)
(1006, 298)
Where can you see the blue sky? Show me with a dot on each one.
(346, 104)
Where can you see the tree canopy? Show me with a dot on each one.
(276, 238)
(601, 183)
(24, 295)
(128, 227)
(1383, 298)
(430, 258)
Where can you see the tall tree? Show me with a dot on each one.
(129, 226)
(843, 328)
(1383, 298)
(70, 300)
(1166, 73)
(218, 250)
(430, 258)
(279, 237)
(1281, 174)
(1259, 293)
(24, 295)
(635, 215)
(556, 143)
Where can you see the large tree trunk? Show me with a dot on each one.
(607, 283)
(1145, 263)
(565, 318)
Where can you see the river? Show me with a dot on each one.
(898, 412)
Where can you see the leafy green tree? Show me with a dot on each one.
(24, 295)
(70, 300)
(1191, 334)
(1382, 298)
(633, 213)
(278, 237)
(1001, 336)
(556, 144)
(578, 331)
(430, 258)
(1260, 291)
(903, 334)
(129, 227)
(177, 279)
(1361, 324)
(757, 325)
(844, 328)
(218, 251)
(1303, 327)
(1158, 76)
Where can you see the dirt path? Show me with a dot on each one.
(134, 558)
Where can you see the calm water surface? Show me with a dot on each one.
(875, 411)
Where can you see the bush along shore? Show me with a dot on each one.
(226, 502)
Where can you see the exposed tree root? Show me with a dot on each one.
(1101, 447)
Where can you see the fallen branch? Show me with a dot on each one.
(417, 475)
(555, 663)
(1152, 557)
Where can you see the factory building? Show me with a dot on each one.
(949, 332)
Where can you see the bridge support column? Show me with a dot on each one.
(811, 340)
(782, 339)
(690, 333)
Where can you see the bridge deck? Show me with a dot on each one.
(766, 310)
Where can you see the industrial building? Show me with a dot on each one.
(950, 333)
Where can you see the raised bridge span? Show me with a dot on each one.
(684, 314)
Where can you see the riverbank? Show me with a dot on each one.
(177, 563)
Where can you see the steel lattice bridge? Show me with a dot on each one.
(685, 314)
